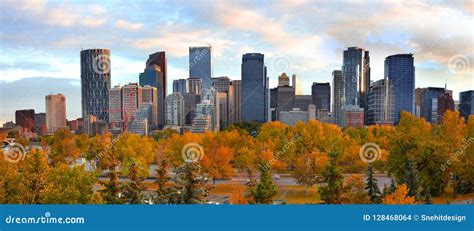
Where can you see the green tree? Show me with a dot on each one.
(191, 185)
(411, 179)
(265, 189)
(33, 184)
(133, 191)
(372, 187)
(331, 193)
(71, 185)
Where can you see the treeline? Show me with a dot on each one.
(422, 159)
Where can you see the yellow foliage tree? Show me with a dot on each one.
(399, 197)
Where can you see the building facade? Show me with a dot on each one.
(381, 103)
(180, 85)
(25, 119)
(400, 70)
(174, 116)
(337, 95)
(55, 112)
(95, 82)
(466, 104)
(200, 64)
(352, 116)
(255, 93)
(321, 96)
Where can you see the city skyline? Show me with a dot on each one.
(53, 51)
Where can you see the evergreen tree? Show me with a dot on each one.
(113, 189)
(393, 187)
(265, 189)
(162, 176)
(133, 190)
(191, 185)
(331, 193)
(410, 179)
(428, 195)
(372, 187)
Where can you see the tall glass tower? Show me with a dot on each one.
(200, 64)
(400, 70)
(356, 77)
(95, 83)
(255, 92)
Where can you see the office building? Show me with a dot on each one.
(150, 95)
(180, 85)
(194, 85)
(190, 102)
(400, 70)
(174, 116)
(200, 64)
(140, 124)
(115, 105)
(356, 77)
(131, 100)
(255, 93)
(95, 83)
(381, 103)
(431, 105)
(210, 106)
(466, 104)
(321, 96)
(40, 123)
(25, 119)
(297, 85)
(293, 116)
(337, 96)
(201, 124)
(283, 80)
(55, 112)
(352, 116)
(155, 75)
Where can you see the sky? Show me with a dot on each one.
(40, 41)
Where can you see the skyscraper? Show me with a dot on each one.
(466, 103)
(131, 101)
(430, 104)
(210, 106)
(200, 64)
(174, 116)
(237, 107)
(337, 95)
(321, 96)
(356, 77)
(95, 83)
(150, 95)
(226, 99)
(283, 80)
(297, 85)
(115, 105)
(400, 70)
(381, 103)
(25, 119)
(40, 123)
(55, 112)
(194, 85)
(155, 75)
(190, 102)
(255, 93)
(180, 85)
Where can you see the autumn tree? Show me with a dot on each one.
(265, 189)
(33, 183)
(133, 191)
(353, 191)
(307, 168)
(216, 161)
(399, 197)
(71, 185)
(63, 149)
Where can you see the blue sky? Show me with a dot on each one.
(41, 41)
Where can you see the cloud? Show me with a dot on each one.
(126, 25)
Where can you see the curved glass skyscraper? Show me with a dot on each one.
(95, 83)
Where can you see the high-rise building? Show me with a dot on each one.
(55, 112)
(283, 80)
(210, 106)
(140, 124)
(40, 123)
(194, 85)
(430, 102)
(155, 75)
(131, 100)
(201, 124)
(466, 104)
(356, 77)
(321, 96)
(282, 98)
(445, 103)
(237, 107)
(25, 119)
(296, 83)
(255, 93)
(226, 99)
(352, 116)
(180, 85)
(337, 95)
(174, 116)
(381, 103)
(200, 64)
(89, 125)
(190, 102)
(400, 70)
(418, 93)
(115, 105)
(303, 101)
(150, 95)
(95, 83)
